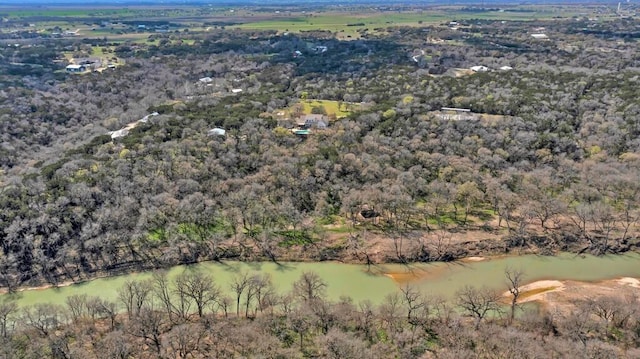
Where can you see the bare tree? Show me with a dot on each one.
(478, 302)
(418, 307)
(390, 312)
(43, 317)
(148, 325)
(77, 306)
(309, 287)
(222, 303)
(104, 309)
(413, 301)
(201, 289)
(183, 300)
(615, 311)
(8, 308)
(260, 288)
(266, 295)
(514, 281)
(238, 285)
(250, 294)
(162, 291)
(115, 345)
(184, 339)
(337, 345)
(577, 324)
(134, 294)
(300, 323)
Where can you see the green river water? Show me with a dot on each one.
(374, 283)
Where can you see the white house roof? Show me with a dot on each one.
(539, 36)
(119, 133)
(236, 90)
(74, 67)
(206, 79)
(217, 132)
(479, 68)
(506, 68)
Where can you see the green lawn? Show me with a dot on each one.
(96, 51)
(338, 108)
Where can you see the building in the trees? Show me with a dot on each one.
(455, 114)
(479, 68)
(313, 121)
(540, 36)
(71, 33)
(90, 63)
(76, 68)
(217, 132)
(320, 49)
(301, 132)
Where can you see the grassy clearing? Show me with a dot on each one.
(294, 238)
(337, 108)
(105, 54)
(444, 219)
(157, 236)
(183, 42)
(338, 229)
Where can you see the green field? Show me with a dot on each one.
(338, 108)
(344, 25)
(67, 12)
(351, 23)
(339, 23)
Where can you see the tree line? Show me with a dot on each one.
(192, 316)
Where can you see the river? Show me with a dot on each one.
(361, 282)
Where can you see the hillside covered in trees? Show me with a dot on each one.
(176, 140)
(546, 159)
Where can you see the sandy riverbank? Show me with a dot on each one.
(557, 294)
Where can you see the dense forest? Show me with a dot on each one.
(430, 143)
(546, 159)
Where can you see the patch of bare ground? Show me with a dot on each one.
(538, 290)
(457, 72)
(469, 244)
(563, 296)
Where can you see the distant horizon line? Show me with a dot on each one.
(294, 3)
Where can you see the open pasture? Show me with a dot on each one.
(352, 23)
